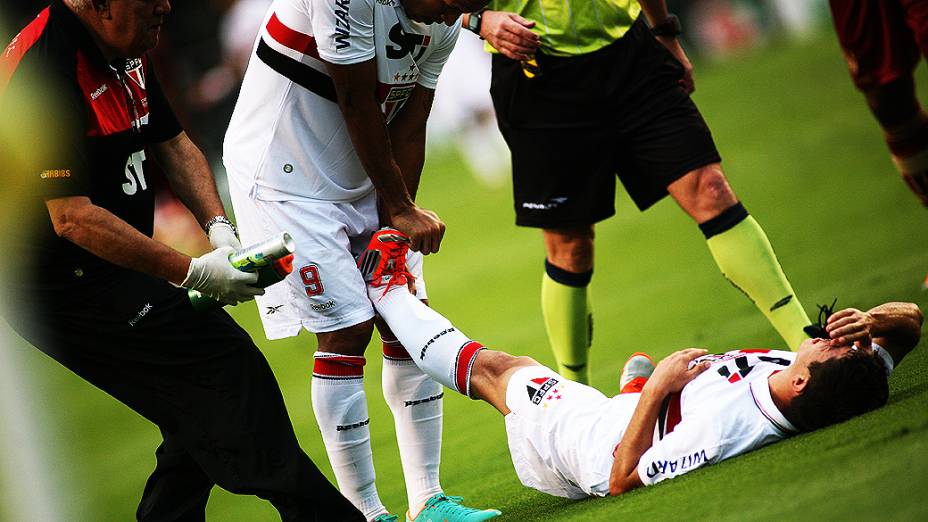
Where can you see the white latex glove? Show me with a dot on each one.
(214, 276)
(222, 235)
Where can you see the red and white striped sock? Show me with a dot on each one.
(435, 345)
(340, 407)
(416, 402)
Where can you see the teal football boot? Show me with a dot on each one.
(444, 508)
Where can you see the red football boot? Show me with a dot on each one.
(384, 261)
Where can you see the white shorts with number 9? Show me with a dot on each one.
(325, 292)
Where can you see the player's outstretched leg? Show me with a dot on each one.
(437, 347)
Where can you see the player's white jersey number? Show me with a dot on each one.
(134, 174)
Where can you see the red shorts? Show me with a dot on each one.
(881, 39)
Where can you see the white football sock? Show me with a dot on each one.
(340, 407)
(436, 346)
(415, 400)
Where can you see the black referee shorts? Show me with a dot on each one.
(200, 378)
(583, 120)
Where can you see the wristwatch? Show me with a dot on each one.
(474, 21)
(670, 27)
(215, 220)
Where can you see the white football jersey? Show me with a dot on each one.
(287, 137)
(725, 411)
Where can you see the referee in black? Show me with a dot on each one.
(95, 292)
(588, 91)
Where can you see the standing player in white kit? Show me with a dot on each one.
(331, 118)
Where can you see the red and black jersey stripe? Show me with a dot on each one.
(295, 71)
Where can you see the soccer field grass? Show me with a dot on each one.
(809, 163)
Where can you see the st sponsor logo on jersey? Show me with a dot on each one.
(538, 388)
(411, 44)
(342, 25)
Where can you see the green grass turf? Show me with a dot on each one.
(803, 154)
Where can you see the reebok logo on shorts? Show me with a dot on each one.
(538, 388)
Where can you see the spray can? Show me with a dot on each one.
(272, 259)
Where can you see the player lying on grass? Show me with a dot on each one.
(570, 440)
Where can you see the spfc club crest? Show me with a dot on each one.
(135, 72)
(537, 388)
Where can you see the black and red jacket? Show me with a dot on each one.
(102, 116)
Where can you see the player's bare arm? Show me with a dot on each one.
(407, 136)
(107, 236)
(190, 177)
(894, 326)
(656, 13)
(356, 87)
(508, 33)
(103, 234)
(670, 376)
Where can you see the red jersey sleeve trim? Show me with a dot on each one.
(292, 38)
(19, 46)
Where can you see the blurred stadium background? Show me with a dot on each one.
(801, 150)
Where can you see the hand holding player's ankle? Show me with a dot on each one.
(424, 228)
(214, 276)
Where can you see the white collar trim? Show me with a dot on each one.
(760, 391)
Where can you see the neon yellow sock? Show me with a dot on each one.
(746, 259)
(568, 319)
